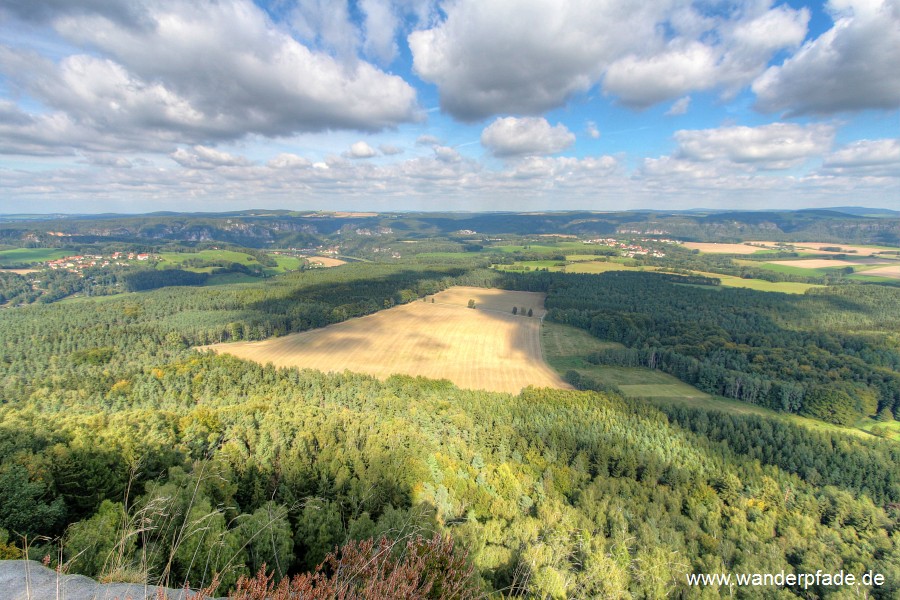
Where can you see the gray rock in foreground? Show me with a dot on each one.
(30, 580)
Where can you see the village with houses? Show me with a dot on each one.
(633, 248)
(78, 263)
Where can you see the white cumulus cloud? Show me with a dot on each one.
(498, 57)
(287, 160)
(511, 136)
(775, 146)
(446, 154)
(642, 82)
(852, 66)
(361, 150)
(866, 157)
(513, 57)
(200, 72)
(202, 157)
(427, 140)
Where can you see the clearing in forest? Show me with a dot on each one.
(485, 348)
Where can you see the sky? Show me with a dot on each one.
(135, 106)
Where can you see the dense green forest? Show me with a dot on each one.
(140, 457)
(828, 353)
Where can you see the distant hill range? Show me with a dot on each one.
(867, 212)
(281, 228)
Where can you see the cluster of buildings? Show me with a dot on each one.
(632, 248)
(394, 253)
(298, 252)
(78, 263)
(304, 252)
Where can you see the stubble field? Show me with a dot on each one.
(326, 261)
(892, 272)
(814, 263)
(858, 250)
(487, 348)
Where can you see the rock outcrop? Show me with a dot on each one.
(30, 580)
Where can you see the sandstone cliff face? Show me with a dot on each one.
(30, 580)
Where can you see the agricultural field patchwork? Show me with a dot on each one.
(485, 348)
(879, 266)
(833, 248)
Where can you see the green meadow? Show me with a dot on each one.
(176, 259)
(786, 287)
(23, 256)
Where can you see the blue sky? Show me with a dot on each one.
(202, 105)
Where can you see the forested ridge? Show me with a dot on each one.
(120, 440)
(286, 228)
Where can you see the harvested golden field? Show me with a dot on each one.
(844, 249)
(486, 348)
(814, 263)
(893, 272)
(19, 271)
(713, 248)
(326, 261)
(602, 267)
(860, 250)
